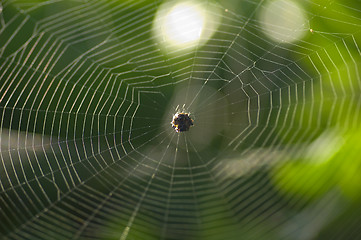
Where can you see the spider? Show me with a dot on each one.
(181, 122)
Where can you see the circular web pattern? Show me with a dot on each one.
(87, 93)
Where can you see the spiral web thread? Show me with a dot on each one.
(86, 100)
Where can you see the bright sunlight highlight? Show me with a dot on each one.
(184, 24)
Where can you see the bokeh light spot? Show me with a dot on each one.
(184, 25)
(283, 21)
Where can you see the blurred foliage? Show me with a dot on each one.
(321, 124)
(332, 162)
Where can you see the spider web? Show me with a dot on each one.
(87, 149)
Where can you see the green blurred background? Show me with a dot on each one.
(87, 94)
